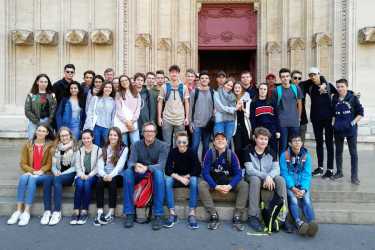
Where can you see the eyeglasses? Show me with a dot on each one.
(297, 78)
(181, 142)
(69, 71)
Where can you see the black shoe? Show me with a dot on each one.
(129, 221)
(336, 176)
(172, 219)
(318, 171)
(237, 224)
(82, 219)
(328, 174)
(355, 181)
(255, 224)
(97, 221)
(157, 224)
(303, 228)
(74, 219)
(102, 219)
(287, 227)
(213, 223)
(313, 229)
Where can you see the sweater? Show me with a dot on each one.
(60, 88)
(225, 105)
(26, 162)
(261, 166)
(101, 112)
(182, 163)
(107, 168)
(128, 109)
(203, 108)
(96, 153)
(263, 114)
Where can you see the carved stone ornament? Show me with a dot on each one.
(102, 36)
(366, 35)
(321, 40)
(164, 44)
(76, 37)
(22, 37)
(296, 43)
(46, 37)
(273, 47)
(143, 40)
(183, 47)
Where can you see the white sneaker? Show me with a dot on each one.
(55, 218)
(24, 219)
(14, 218)
(45, 218)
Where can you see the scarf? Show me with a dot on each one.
(64, 154)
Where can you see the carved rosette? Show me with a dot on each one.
(321, 39)
(143, 40)
(22, 37)
(366, 35)
(46, 37)
(273, 48)
(296, 43)
(76, 37)
(102, 36)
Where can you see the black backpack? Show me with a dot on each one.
(221, 178)
(271, 212)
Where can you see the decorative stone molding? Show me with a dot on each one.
(183, 47)
(143, 40)
(366, 35)
(76, 37)
(296, 43)
(46, 37)
(273, 47)
(22, 37)
(165, 44)
(321, 40)
(102, 36)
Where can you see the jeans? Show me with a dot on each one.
(112, 191)
(198, 135)
(75, 127)
(169, 132)
(131, 178)
(58, 183)
(305, 202)
(82, 193)
(100, 135)
(352, 144)
(130, 137)
(285, 133)
(193, 191)
(227, 128)
(31, 127)
(27, 187)
(318, 127)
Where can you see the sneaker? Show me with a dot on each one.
(303, 228)
(318, 171)
(214, 223)
(129, 221)
(355, 181)
(336, 176)
(55, 218)
(102, 219)
(14, 218)
(97, 221)
(83, 219)
(157, 224)
(313, 229)
(109, 218)
(192, 222)
(237, 224)
(172, 219)
(255, 224)
(328, 174)
(24, 219)
(74, 219)
(45, 218)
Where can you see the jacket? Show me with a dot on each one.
(262, 167)
(96, 153)
(225, 106)
(26, 162)
(32, 110)
(64, 114)
(246, 98)
(148, 107)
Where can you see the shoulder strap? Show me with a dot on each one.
(279, 91)
(212, 97)
(181, 91)
(294, 90)
(168, 89)
(196, 93)
(229, 158)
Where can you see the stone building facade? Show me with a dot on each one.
(38, 36)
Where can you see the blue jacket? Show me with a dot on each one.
(296, 172)
(64, 114)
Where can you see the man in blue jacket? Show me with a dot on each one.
(222, 172)
(295, 166)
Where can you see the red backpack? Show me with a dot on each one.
(143, 191)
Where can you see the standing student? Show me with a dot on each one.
(110, 165)
(183, 170)
(88, 81)
(271, 84)
(296, 79)
(102, 109)
(109, 74)
(160, 81)
(86, 161)
(249, 87)
(36, 161)
(63, 169)
(116, 83)
(61, 87)
(150, 80)
(128, 107)
(94, 90)
(40, 104)
(348, 112)
(149, 101)
(221, 78)
(190, 76)
(71, 111)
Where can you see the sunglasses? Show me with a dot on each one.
(69, 71)
(297, 78)
(181, 142)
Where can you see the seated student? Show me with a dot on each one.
(149, 154)
(262, 169)
(86, 169)
(36, 161)
(63, 169)
(182, 168)
(295, 165)
(110, 165)
(222, 172)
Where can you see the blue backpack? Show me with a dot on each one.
(279, 90)
(344, 113)
(168, 86)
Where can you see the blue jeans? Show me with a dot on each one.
(193, 191)
(27, 187)
(131, 178)
(132, 136)
(198, 135)
(285, 133)
(227, 128)
(305, 202)
(82, 193)
(31, 127)
(100, 135)
(58, 183)
(75, 127)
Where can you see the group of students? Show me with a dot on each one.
(108, 113)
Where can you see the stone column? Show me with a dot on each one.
(296, 53)
(273, 50)
(322, 43)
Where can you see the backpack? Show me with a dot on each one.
(210, 123)
(271, 212)
(344, 116)
(142, 197)
(221, 178)
(279, 91)
(180, 89)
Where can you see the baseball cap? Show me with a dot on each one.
(314, 70)
(221, 73)
(219, 133)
